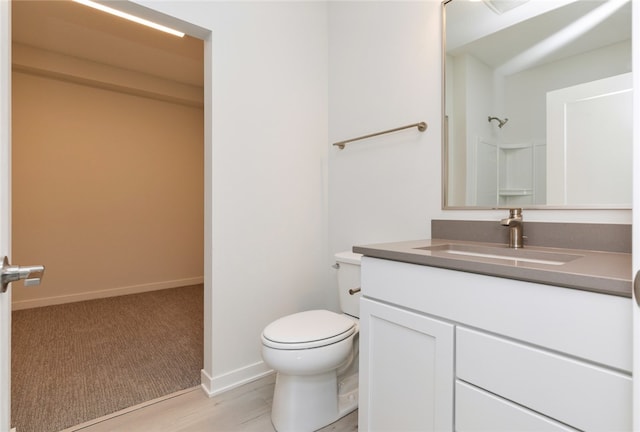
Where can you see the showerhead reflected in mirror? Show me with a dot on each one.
(559, 72)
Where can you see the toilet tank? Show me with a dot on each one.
(349, 279)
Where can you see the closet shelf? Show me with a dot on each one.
(515, 192)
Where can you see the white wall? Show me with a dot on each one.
(90, 186)
(275, 226)
(384, 72)
(269, 134)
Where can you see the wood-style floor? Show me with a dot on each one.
(246, 408)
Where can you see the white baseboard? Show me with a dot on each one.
(113, 292)
(213, 386)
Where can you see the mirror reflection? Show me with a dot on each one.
(537, 104)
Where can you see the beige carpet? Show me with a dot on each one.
(76, 362)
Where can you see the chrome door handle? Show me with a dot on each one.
(32, 275)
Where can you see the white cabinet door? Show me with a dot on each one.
(406, 370)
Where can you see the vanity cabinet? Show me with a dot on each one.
(449, 350)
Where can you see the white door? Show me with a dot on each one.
(576, 155)
(5, 223)
(14, 272)
(636, 216)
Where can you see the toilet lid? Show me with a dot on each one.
(308, 330)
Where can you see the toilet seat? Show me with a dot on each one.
(310, 329)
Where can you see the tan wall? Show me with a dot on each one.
(107, 190)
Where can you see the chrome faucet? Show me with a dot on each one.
(514, 222)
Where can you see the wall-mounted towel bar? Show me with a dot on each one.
(422, 126)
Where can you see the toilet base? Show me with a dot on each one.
(311, 402)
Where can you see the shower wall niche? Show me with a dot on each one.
(510, 174)
(521, 173)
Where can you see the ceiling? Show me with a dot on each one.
(498, 48)
(75, 30)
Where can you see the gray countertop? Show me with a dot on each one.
(598, 271)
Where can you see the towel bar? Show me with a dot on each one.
(422, 126)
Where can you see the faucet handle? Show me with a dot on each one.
(515, 213)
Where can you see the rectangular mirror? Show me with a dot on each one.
(537, 104)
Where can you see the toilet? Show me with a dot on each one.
(315, 356)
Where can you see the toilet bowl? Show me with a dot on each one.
(315, 356)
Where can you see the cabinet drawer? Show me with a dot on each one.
(591, 326)
(477, 411)
(576, 393)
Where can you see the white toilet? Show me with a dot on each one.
(315, 355)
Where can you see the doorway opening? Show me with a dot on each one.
(108, 149)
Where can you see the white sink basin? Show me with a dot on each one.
(502, 253)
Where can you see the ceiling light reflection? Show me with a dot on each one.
(129, 17)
